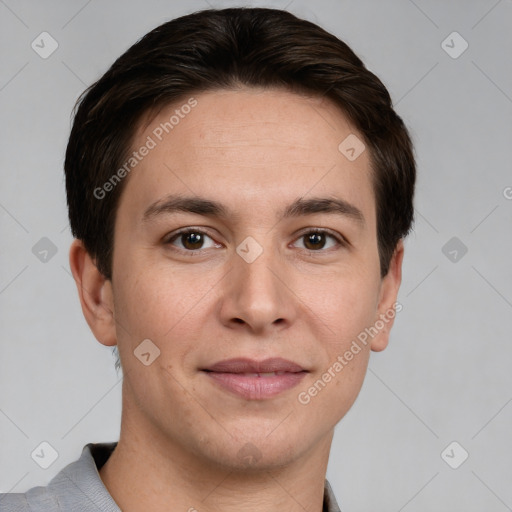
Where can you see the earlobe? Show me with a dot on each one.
(388, 308)
(95, 293)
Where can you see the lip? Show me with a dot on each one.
(246, 365)
(243, 378)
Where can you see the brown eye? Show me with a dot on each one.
(314, 241)
(191, 240)
(317, 240)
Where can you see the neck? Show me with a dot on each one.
(150, 471)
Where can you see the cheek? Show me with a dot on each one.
(348, 308)
(346, 302)
(155, 301)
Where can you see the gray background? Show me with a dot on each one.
(446, 374)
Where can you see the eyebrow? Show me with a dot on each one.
(300, 207)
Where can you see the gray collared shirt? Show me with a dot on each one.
(79, 488)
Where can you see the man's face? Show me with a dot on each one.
(211, 295)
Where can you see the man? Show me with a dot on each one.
(239, 187)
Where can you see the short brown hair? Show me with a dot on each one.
(224, 49)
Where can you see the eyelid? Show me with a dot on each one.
(189, 229)
(340, 239)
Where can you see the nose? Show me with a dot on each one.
(258, 296)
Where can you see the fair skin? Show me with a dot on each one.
(255, 152)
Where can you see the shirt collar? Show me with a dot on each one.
(81, 481)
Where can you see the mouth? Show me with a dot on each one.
(255, 380)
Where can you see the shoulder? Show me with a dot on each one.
(37, 499)
(76, 487)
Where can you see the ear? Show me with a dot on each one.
(388, 307)
(95, 293)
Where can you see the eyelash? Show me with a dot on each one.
(342, 242)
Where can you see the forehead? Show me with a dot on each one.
(248, 145)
